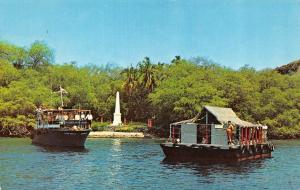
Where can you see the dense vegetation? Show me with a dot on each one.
(165, 92)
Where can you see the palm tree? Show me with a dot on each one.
(131, 81)
(147, 71)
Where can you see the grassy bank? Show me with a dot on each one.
(112, 134)
(17, 128)
(130, 127)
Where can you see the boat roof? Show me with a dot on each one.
(223, 115)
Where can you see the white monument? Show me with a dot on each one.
(117, 115)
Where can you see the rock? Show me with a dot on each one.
(291, 68)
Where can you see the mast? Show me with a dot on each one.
(62, 91)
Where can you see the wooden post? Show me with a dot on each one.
(248, 135)
(261, 134)
(256, 135)
(242, 135)
(206, 134)
(245, 135)
(252, 135)
(149, 123)
(173, 134)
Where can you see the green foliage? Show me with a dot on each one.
(39, 54)
(99, 126)
(264, 96)
(164, 92)
(7, 73)
(132, 127)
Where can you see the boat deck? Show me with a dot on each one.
(214, 146)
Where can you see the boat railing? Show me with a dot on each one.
(62, 123)
(249, 135)
(59, 119)
(253, 135)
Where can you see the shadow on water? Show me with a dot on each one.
(210, 168)
(53, 149)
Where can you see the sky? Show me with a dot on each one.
(232, 33)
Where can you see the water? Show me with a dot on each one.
(138, 164)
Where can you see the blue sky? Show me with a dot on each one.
(259, 33)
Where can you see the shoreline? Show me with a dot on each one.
(112, 134)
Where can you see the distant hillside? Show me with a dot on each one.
(291, 68)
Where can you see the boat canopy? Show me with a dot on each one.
(222, 115)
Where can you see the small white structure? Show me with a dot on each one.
(117, 115)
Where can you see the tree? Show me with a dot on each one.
(17, 56)
(7, 73)
(39, 55)
(131, 80)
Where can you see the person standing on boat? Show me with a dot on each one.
(82, 116)
(229, 130)
(77, 116)
(39, 113)
(89, 118)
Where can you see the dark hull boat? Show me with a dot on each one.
(60, 137)
(61, 128)
(205, 153)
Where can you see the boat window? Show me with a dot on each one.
(203, 134)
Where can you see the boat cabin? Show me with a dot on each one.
(62, 118)
(209, 127)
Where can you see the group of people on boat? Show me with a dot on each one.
(62, 116)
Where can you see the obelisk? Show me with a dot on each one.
(117, 115)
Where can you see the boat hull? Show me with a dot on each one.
(215, 154)
(59, 137)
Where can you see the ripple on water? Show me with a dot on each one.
(138, 164)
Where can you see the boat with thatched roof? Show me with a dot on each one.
(205, 138)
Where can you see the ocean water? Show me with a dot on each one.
(138, 164)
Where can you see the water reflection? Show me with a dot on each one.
(53, 149)
(116, 145)
(210, 168)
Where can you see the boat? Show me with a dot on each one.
(204, 138)
(61, 128)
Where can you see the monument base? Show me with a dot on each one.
(117, 119)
